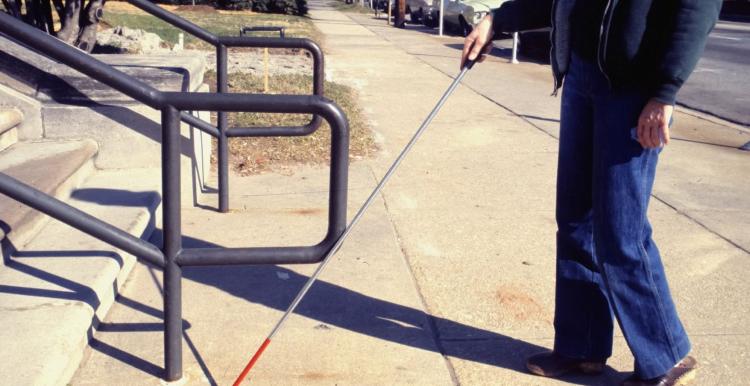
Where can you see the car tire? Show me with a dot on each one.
(432, 23)
(416, 16)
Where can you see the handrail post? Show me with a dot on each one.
(172, 243)
(223, 145)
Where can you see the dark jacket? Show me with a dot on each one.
(653, 45)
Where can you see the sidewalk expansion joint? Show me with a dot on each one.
(451, 76)
(435, 334)
(699, 223)
(686, 215)
(40, 306)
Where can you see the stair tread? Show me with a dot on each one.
(51, 82)
(9, 118)
(44, 165)
(64, 281)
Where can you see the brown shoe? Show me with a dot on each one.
(679, 375)
(550, 364)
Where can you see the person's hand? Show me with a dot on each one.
(653, 124)
(477, 44)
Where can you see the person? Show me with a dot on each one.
(622, 63)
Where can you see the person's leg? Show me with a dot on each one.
(627, 256)
(583, 320)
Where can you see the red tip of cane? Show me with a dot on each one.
(252, 362)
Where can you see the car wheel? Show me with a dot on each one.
(430, 22)
(466, 28)
(416, 16)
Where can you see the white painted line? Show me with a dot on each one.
(719, 36)
(712, 70)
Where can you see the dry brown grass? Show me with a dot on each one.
(282, 154)
(219, 22)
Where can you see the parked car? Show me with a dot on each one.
(382, 5)
(460, 15)
(430, 14)
(416, 9)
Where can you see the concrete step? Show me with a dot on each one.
(128, 133)
(54, 168)
(30, 128)
(129, 136)
(48, 81)
(10, 118)
(56, 289)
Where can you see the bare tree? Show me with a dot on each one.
(78, 23)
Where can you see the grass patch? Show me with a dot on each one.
(215, 21)
(281, 154)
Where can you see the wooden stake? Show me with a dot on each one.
(265, 70)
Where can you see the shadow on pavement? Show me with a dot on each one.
(337, 306)
(327, 303)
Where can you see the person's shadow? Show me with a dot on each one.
(336, 306)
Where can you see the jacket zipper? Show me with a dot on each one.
(602, 46)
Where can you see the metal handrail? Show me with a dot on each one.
(280, 30)
(221, 43)
(247, 41)
(78, 219)
(172, 256)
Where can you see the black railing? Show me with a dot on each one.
(173, 105)
(221, 43)
(246, 30)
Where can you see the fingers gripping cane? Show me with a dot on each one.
(467, 66)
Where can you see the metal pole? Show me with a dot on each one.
(389, 12)
(223, 148)
(353, 223)
(440, 16)
(514, 56)
(170, 159)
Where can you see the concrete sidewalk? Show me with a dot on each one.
(449, 279)
(486, 169)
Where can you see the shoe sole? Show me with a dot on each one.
(686, 378)
(583, 368)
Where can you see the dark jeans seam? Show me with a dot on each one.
(647, 261)
(597, 200)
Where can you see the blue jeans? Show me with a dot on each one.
(607, 262)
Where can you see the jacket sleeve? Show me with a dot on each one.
(521, 15)
(693, 22)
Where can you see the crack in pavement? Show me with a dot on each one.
(435, 333)
(525, 119)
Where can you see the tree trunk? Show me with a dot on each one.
(46, 16)
(13, 7)
(70, 22)
(89, 23)
(400, 14)
(59, 7)
(78, 25)
(32, 12)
